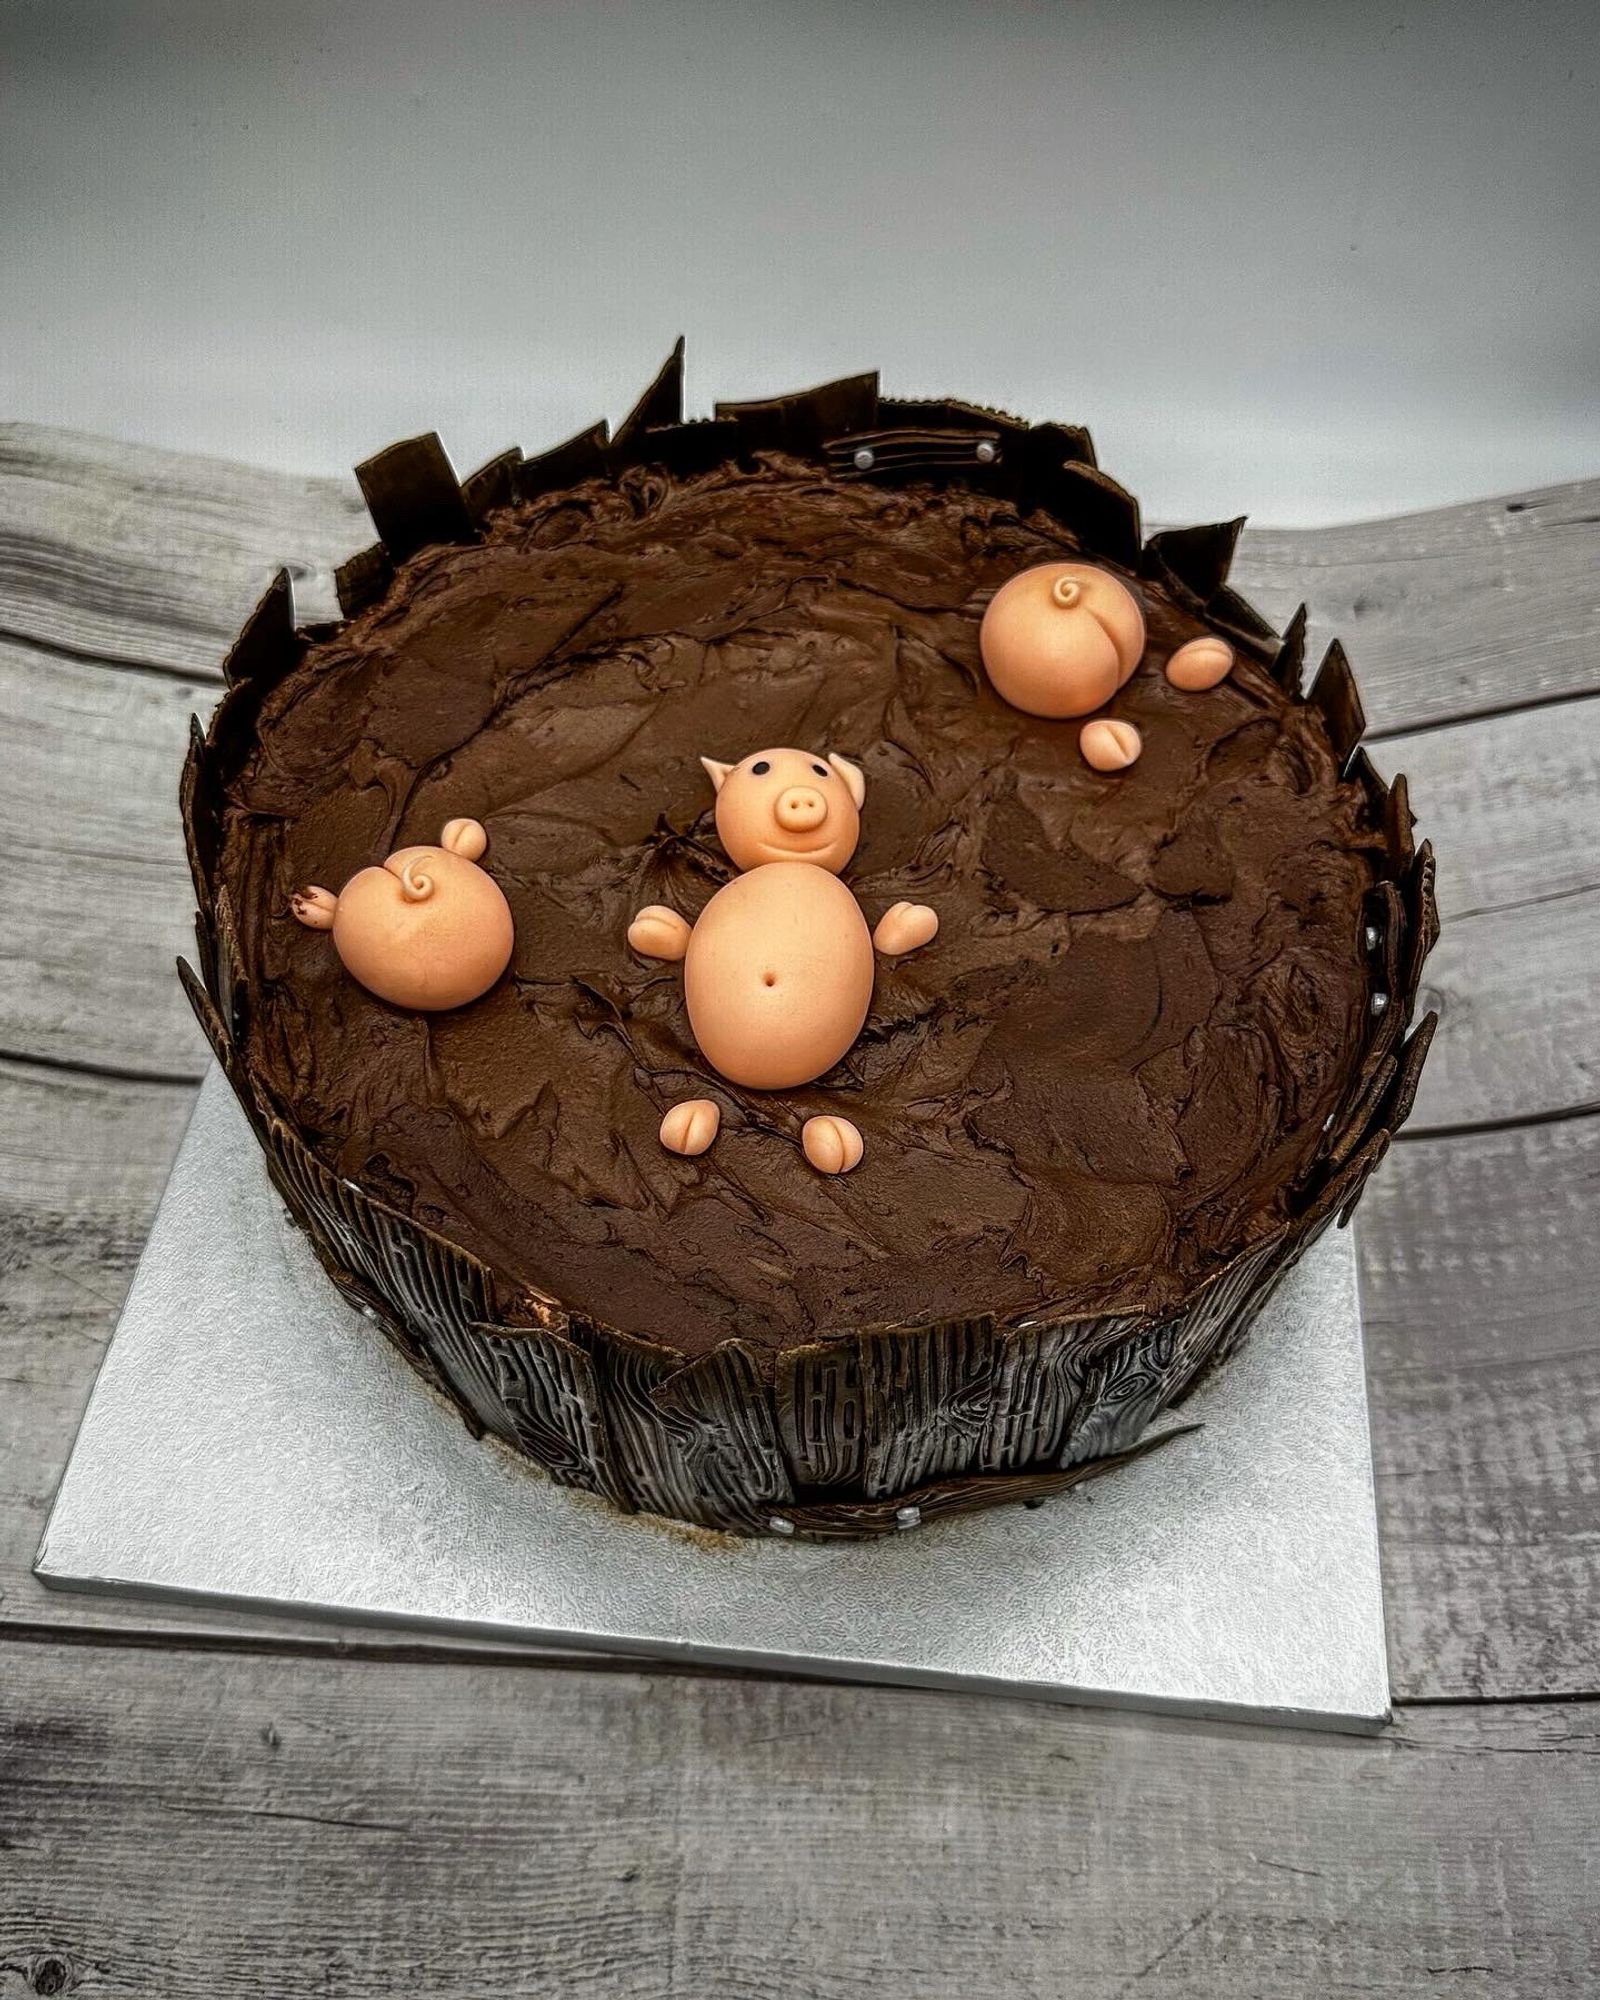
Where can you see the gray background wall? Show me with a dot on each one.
(1306, 261)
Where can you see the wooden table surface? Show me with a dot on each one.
(196, 1803)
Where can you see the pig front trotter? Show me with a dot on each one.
(658, 932)
(905, 927)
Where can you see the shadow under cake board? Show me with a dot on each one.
(252, 1441)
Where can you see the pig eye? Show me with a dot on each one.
(760, 768)
(820, 769)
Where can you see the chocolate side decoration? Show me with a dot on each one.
(1288, 665)
(1193, 562)
(414, 497)
(661, 404)
(862, 1423)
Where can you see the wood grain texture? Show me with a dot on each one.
(1480, 1268)
(1456, 612)
(195, 1826)
(154, 558)
(95, 898)
(1512, 806)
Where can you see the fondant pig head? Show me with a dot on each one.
(788, 805)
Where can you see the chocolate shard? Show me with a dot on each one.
(200, 805)
(1289, 664)
(1398, 821)
(684, 449)
(724, 1432)
(536, 1390)
(895, 412)
(1402, 1098)
(224, 984)
(1240, 621)
(1361, 1118)
(804, 422)
(363, 579)
(1195, 560)
(1334, 692)
(1046, 446)
(855, 1520)
(1363, 773)
(429, 1291)
(926, 1395)
(1422, 912)
(1344, 1188)
(206, 1014)
(269, 646)
(1385, 913)
(821, 1404)
(493, 485)
(1359, 1172)
(695, 1441)
(661, 404)
(414, 497)
(1103, 516)
(916, 454)
(567, 464)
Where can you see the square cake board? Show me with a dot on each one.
(253, 1441)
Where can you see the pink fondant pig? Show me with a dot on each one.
(778, 970)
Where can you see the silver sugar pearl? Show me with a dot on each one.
(864, 460)
(988, 453)
(1371, 935)
(780, 1526)
(1379, 1002)
(908, 1517)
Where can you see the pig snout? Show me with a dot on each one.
(800, 809)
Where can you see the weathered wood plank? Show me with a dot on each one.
(1478, 1272)
(1480, 1267)
(1512, 805)
(95, 898)
(191, 1825)
(1448, 613)
(132, 553)
(123, 552)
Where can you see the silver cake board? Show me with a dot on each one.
(252, 1441)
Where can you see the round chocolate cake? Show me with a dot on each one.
(1158, 1041)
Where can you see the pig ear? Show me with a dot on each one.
(715, 771)
(854, 777)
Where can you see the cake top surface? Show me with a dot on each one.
(1101, 1081)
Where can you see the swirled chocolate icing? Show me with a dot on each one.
(1104, 1077)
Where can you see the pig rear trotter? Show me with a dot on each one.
(690, 1127)
(832, 1144)
(314, 907)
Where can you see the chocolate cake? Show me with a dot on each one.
(1158, 1042)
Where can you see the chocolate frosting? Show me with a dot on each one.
(1104, 1078)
